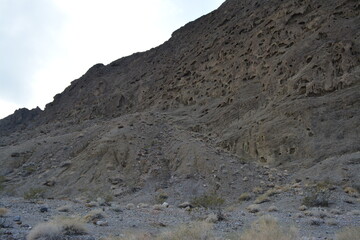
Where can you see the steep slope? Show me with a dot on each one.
(274, 82)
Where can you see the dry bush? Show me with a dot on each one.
(48, 231)
(261, 199)
(131, 236)
(253, 208)
(193, 231)
(351, 233)
(245, 197)
(351, 191)
(70, 225)
(317, 195)
(57, 229)
(257, 190)
(94, 216)
(267, 228)
(208, 201)
(3, 211)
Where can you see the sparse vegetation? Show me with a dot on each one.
(34, 193)
(244, 197)
(351, 191)
(317, 195)
(94, 216)
(2, 181)
(258, 190)
(348, 234)
(261, 199)
(253, 208)
(267, 228)
(211, 201)
(57, 229)
(161, 197)
(194, 231)
(3, 212)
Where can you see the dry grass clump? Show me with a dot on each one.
(94, 215)
(208, 201)
(194, 231)
(261, 199)
(267, 228)
(191, 231)
(57, 229)
(351, 191)
(253, 208)
(3, 211)
(257, 190)
(131, 236)
(245, 197)
(351, 233)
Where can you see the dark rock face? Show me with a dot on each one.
(273, 81)
(19, 120)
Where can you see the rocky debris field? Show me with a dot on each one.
(106, 218)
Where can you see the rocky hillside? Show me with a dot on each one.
(250, 86)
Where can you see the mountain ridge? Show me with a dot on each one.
(273, 82)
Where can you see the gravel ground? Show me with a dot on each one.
(314, 223)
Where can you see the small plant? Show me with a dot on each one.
(161, 197)
(109, 198)
(317, 196)
(3, 212)
(193, 231)
(245, 197)
(348, 234)
(58, 228)
(2, 181)
(351, 191)
(34, 193)
(261, 199)
(258, 190)
(267, 228)
(211, 201)
(94, 216)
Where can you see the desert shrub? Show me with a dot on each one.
(350, 233)
(131, 236)
(317, 196)
(261, 199)
(208, 201)
(258, 190)
(267, 228)
(48, 231)
(245, 197)
(34, 193)
(94, 215)
(3, 212)
(194, 231)
(57, 229)
(2, 181)
(253, 208)
(351, 191)
(70, 225)
(161, 197)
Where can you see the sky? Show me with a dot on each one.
(46, 44)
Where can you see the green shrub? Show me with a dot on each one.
(208, 201)
(34, 193)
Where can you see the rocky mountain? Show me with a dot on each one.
(254, 93)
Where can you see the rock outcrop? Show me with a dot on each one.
(274, 82)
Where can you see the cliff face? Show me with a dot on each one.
(277, 82)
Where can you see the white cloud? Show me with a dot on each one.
(55, 42)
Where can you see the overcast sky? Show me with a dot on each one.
(46, 44)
